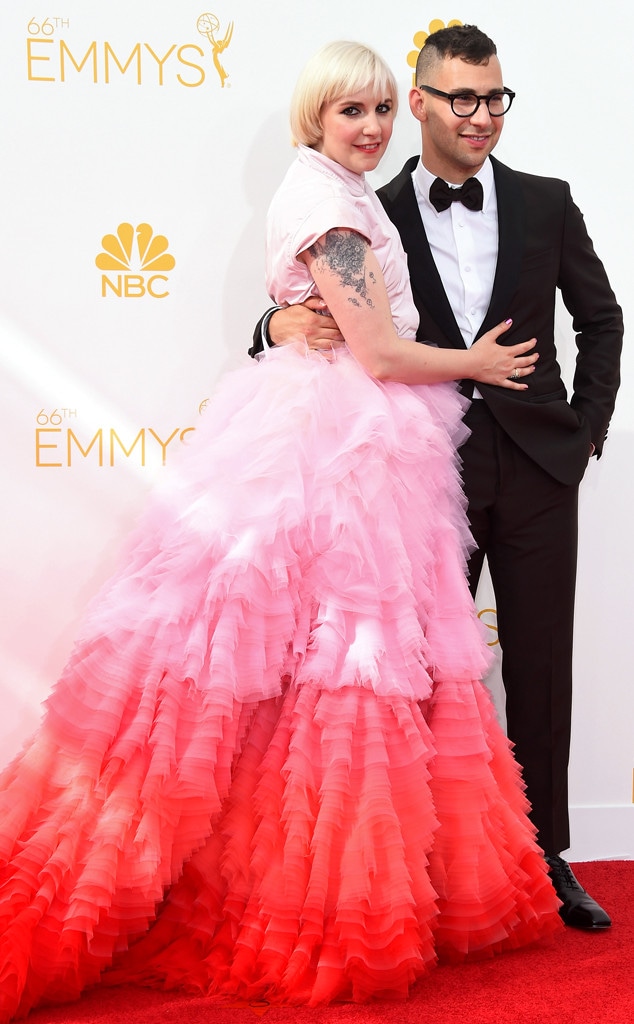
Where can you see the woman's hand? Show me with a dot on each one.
(504, 365)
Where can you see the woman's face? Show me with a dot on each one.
(356, 129)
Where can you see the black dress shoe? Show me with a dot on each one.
(579, 910)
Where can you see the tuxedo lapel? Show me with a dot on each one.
(511, 243)
(399, 200)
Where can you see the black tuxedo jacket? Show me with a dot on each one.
(543, 246)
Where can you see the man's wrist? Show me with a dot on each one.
(264, 328)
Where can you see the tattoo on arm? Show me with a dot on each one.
(343, 252)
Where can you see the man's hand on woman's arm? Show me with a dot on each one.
(309, 321)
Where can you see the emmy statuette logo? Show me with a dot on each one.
(209, 26)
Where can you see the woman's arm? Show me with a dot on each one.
(350, 281)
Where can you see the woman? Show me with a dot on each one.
(269, 768)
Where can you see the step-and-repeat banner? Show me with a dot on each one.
(142, 141)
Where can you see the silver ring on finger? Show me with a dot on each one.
(515, 374)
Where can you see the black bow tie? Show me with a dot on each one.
(441, 196)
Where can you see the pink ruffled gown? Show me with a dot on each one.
(269, 768)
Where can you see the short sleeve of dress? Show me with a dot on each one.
(330, 213)
(318, 195)
(313, 198)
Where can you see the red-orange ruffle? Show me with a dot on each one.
(268, 768)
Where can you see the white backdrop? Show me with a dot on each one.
(141, 146)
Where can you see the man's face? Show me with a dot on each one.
(454, 148)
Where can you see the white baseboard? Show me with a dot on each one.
(601, 833)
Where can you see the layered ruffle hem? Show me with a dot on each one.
(269, 769)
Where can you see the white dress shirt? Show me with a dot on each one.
(464, 244)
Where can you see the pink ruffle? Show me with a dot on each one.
(268, 767)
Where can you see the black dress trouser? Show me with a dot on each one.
(525, 522)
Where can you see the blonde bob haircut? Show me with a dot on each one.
(338, 69)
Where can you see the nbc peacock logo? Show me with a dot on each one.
(135, 261)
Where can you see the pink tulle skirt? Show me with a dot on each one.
(269, 768)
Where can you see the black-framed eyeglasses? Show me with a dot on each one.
(465, 104)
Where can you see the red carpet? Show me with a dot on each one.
(581, 978)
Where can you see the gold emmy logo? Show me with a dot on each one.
(58, 445)
(209, 26)
(492, 625)
(55, 54)
(135, 249)
(419, 41)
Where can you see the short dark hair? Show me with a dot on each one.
(464, 41)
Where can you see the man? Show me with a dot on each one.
(502, 250)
